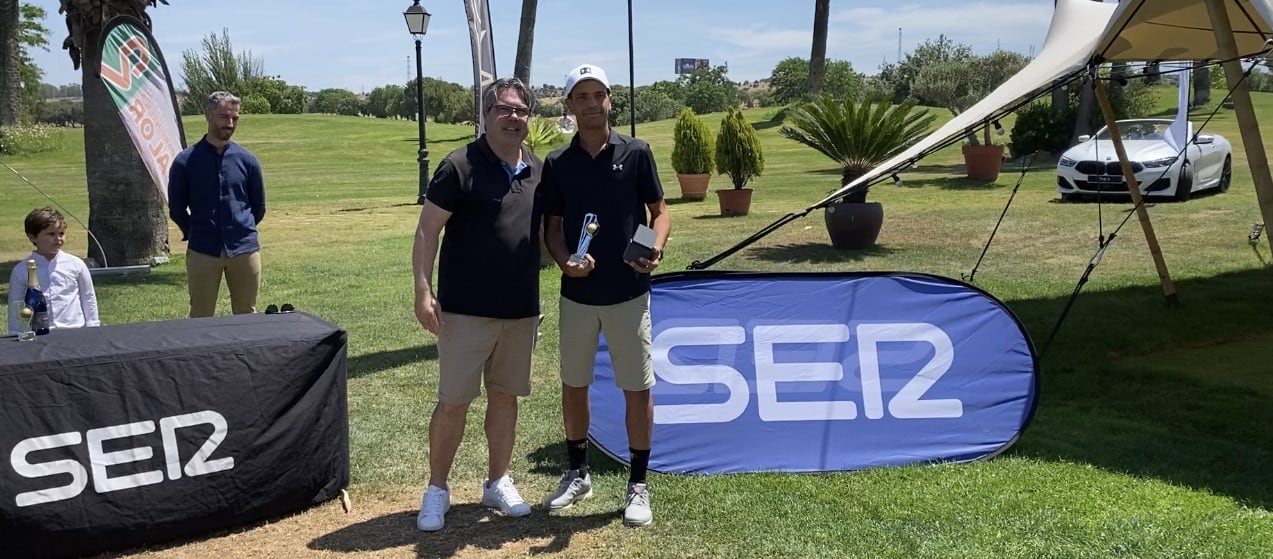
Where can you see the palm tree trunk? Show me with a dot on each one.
(1060, 98)
(10, 64)
(1083, 116)
(525, 41)
(1202, 85)
(125, 212)
(818, 55)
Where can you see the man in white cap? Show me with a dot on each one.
(614, 178)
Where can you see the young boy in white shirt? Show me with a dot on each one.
(64, 278)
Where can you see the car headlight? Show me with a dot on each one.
(1067, 162)
(1156, 163)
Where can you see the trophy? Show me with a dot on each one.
(585, 238)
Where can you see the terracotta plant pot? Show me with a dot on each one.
(735, 201)
(694, 187)
(854, 225)
(983, 162)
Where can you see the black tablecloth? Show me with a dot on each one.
(122, 435)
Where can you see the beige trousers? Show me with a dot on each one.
(203, 278)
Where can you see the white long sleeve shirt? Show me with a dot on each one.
(66, 284)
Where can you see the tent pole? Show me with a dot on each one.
(1252, 142)
(1168, 287)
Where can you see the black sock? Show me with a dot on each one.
(640, 462)
(577, 451)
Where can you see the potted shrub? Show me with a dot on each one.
(960, 82)
(738, 155)
(692, 154)
(983, 161)
(859, 136)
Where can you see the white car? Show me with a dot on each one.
(1091, 167)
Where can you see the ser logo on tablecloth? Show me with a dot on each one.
(99, 459)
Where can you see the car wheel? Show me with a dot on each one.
(1184, 183)
(1226, 174)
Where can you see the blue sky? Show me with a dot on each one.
(359, 45)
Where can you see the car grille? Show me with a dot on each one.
(1105, 168)
(1118, 187)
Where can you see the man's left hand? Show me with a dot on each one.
(647, 265)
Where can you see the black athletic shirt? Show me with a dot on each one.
(616, 186)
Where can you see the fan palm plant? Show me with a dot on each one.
(542, 133)
(859, 136)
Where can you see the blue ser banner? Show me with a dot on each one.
(823, 372)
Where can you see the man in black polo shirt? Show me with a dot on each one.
(613, 177)
(486, 311)
(216, 196)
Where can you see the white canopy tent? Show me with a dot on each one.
(1086, 33)
(1077, 26)
(1083, 34)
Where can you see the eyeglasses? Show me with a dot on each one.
(506, 111)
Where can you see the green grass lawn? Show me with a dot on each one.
(1151, 437)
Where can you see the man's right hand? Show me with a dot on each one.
(579, 270)
(429, 313)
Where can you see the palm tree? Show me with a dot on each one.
(10, 64)
(859, 136)
(818, 55)
(125, 215)
(525, 41)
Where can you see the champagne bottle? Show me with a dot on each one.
(34, 300)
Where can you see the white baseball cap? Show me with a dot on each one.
(585, 72)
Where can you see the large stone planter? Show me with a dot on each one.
(854, 225)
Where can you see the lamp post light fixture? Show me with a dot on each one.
(418, 24)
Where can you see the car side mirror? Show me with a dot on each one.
(1205, 139)
(1084, 138)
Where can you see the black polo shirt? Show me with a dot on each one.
(616, 185)
(489, 262)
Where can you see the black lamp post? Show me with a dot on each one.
(418, 23)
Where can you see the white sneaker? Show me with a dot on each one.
(433, 506)
(636, 510)
(570, 490)
(503, 495)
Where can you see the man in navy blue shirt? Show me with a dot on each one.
(216, 196)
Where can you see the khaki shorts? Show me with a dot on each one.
(627, 329)
(473, 349)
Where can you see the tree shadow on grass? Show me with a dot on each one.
(369, 208)
(717, 216)
(167, 274)
(1108, 398)
(467, 526)
(684, 201)
(951, 183)
(433, 140)
(814, 253)
(158, 275)
(372, 363)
